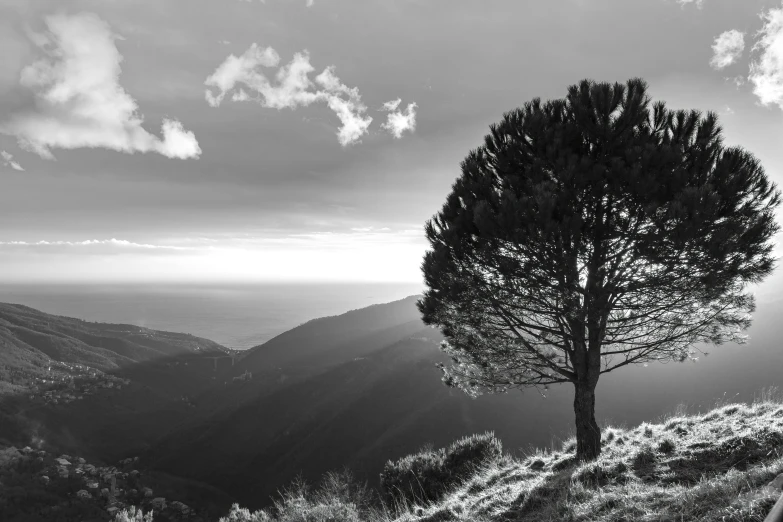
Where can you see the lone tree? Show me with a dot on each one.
(593, 232)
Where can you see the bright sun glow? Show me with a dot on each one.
(359, 255)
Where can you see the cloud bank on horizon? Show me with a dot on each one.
(293, 88)
(345, 255)
(79, 100)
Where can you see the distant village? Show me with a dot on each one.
(65, 383)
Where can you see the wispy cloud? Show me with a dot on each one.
(698, 3)
(8, 161)
(113, 242)
(766, 72)
(397, 122)
(292, 88)
(308, 3)
(738, 80)
(79, 100)
(727, 48)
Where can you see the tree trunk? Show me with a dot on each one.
(588, 434)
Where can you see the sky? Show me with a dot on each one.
(310, 140)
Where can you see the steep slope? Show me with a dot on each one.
(357, 414)
(331, 340)
(306, 351)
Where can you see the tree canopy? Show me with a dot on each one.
(592, 232)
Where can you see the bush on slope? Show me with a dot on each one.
(427, 475)
(709, 467)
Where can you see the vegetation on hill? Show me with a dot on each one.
(717, 466)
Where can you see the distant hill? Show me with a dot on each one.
(331, 340)
(32, 340)
(74, 381)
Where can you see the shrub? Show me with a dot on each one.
(667, 445)
(593, 475)
(131, 514)
(303, 510)
(340, 486)
(468, 453)
(238, 514)
(426, 476)
(643, 458)
(338, 499)
(418, 478)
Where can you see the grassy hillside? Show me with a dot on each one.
(704, 467)
(717, 466)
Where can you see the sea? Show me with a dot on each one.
(238, 316)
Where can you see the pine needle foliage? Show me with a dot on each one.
(593, 232)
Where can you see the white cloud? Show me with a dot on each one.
(728, 46)
(291, 88)
(766, 73)
(398, 121)
(79, 101)
(697, 3)
(8, 161)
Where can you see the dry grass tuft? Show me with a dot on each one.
(709, 467)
